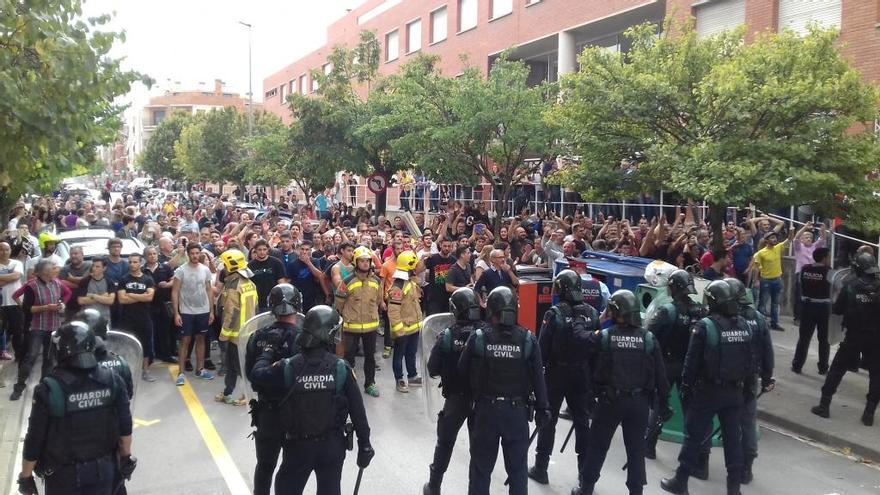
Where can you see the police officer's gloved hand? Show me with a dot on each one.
(275, 339)
(365, 455)
(685, 394)
(27, 486)
(768, 385)
(127, 466)
(543, 417)
(666, 413)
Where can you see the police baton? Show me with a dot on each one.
(718, 429)
(357, 484)
(531, 441)
(567, 438)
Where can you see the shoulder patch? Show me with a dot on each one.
(396, 292)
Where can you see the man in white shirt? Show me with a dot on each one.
(11, 273)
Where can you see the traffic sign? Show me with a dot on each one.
(377, 183)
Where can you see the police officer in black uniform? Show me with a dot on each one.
(79, 432)
(321, 393)
(284, 301)
(815, 310)
(563, 338)
(106, 358)
(859, 303)
(503, 365)
(671, 324)
(443, 362)
(719, 370)
(628, 374)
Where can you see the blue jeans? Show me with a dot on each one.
(771, 288)
(405, 348)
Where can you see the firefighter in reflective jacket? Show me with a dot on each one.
(628, 373)
(239, 302)
(321, 394)
(79, 432)
(405, 320)
(359, 306)
(443, 362)
(563, 341)
(719, 373)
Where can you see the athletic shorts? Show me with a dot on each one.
(194, 324)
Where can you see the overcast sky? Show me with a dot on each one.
(194, 41)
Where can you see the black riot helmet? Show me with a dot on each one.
(502, 304)
(567, 285)
(720, 298)
(320, 327)
(285, 299)
(739, 290)
(865, 264)
(75, 345)
(681, 284)
(624, 305)
(464, 306)
(94, 320)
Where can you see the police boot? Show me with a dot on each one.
(822, 410)
(582, 488)
(747, 476)
(432, 487)
(538, 472)
(701, 470)
(733, 484)
(677, 484)
(651, 448)
(868, 415)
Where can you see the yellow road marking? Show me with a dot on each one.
(145, 422)
(222, 459)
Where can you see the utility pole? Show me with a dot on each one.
(250, 108)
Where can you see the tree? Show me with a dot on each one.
(57, 90)
(770, 122)
(469, 127)
(158, 157)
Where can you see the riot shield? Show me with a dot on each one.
(127, 346)
(662, 297)
(431, 328)
(247, 330)
(838, 279)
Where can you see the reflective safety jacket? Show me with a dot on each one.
(239, 303)
(404, 312)
(359, 305)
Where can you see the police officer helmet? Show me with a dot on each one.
(567, 285)
(94, 320)
(624, 305)
(681, 284)
(284, 299)
(502, 304)
(865, 264)
(75, 345)
(739, 290)
(320, 327)
(464, 306)
(720, 298)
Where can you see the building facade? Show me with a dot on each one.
(548, 34)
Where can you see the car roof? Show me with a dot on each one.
(97, 248)
(86, 234)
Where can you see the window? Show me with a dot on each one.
(327, 68)
(392, 46)
(272, 92)
(720, 16)
(281, 91)
(303, 84)
(438, 25)
(532, 2)
(292, 88)
(501, 8)
(315, 83)
(798, 15)
(467, 15)
(413, 36)
(158, 117)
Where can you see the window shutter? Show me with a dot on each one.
(720, 16)
(797, 15)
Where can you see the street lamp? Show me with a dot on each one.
(250, 109)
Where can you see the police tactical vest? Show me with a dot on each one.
(257, 343)
(626, 360)
(314, 405)
(82, 418)
(452, 342)
(112, 361)
(815, 284)
(569, 320)
(505, 371)
(863, 306)
(592, 292)
(730, 354)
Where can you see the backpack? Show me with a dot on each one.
(729, 368)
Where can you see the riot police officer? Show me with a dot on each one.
(563, 338)
(106, 358)
(628, 374)
(80, 428)
(284, 301)
(719, 369)
(671, 324)
(503, 366)
(859, 303)
(321, 393)
(443, 362)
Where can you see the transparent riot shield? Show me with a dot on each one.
(127, 346)
(838, 279)
(247, 330)
(431, 328)
(660, 298)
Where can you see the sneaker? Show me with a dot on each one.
(5, 356)
(401, 386)
(210, 365)
(775, 326)
(372, 390)
(386, 353)
(221, 397)
(415, 381)
(188, 366)
(204, 374)
(181, 380)
(147, 376)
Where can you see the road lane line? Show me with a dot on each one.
(222, 459)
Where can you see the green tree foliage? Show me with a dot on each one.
(158, 157)
(769, 122)
(57, 92)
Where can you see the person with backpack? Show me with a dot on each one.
(628, 374)
(563, 338)
(503, 366)
(671, 324)
(79, 432)
(718, 375)
(321, 393)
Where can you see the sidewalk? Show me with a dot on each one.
(788, 406)
(11, 417)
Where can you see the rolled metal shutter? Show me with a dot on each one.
(718, 16)
(797, 15)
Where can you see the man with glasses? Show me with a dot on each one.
(499, 274)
